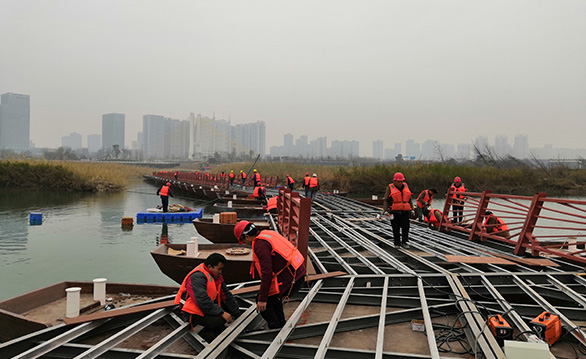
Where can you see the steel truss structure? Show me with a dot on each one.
(384, 290)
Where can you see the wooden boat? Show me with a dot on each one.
(173, 262)
(45, 307)
(245, 201)
(222, 232)
(373, 202)
(242, 210)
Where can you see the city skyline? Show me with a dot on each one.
(347, 70)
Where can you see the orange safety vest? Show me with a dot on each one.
(306, 180)
(290, 180)
(400, 198)
(271, 203)
(258, 190)
(500, 225)
(427, 198)
(282, 247)
(243, 175)
(164, 191)
(313, 182)
(257, 177)
(431, 217)
(189, 304)
(458, 189)
(231, 175)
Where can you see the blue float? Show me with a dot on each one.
(167, 217)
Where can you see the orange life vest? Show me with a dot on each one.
(271, 203)
(313, 182)
(189, 304)
(257, 177)
(306, 180)
(500, 225)
(290, 180)
(282, 247)
(428, 197)
(258, 190)
(431, 217)
(458, 189)
(400, 198)
(231, 175)
(243, 175)
(164, 191)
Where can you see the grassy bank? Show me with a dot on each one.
(521, 180)
(67, 176)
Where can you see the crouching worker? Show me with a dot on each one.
(281, 269)
(272, 205)
(495, 225)
(205, 300)
(432, 217)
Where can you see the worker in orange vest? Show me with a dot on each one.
(432, 217)
(165, 192)
(457, 200)
(306, 180)
(398, 203)
(272, 204)
(231, 177)
(280, 266)
(290, 182)
(424, 201)
(205, 300)
(260, 193)
(256, 178)
(495, 225)
(313, 186)
(243, 176)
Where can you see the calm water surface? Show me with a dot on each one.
(81, 238)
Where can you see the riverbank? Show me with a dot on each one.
(67, 176)
(523, 180)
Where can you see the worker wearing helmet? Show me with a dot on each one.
(495, 225)
(204, 298)
(231, 177)
(424, 202)
(280, 266)
(165, 191)
(398, 203)
(313, 186)
(256, 178)
(457, 200)
(290, 182)
(306, 180)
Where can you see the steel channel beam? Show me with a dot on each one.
(333, 253)
(71, 350)
(59, 340)
(575, 330)
(351, 250)
(160, 346)
(192, 338)
(427, 320)
(315, 261)
(577, 297)
(380, 336)
(280, 339)
(329, 333)
(109, 343)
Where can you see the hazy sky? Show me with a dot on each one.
(349, 70)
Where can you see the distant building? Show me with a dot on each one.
(94, 143)
(153, 137)
(501, 146)
(377, 149)
(250, 137)
(72, 141)
(521, 147)
(15, 121)
(113, 131)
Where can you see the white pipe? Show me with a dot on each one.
(72, 307)
(100, 290)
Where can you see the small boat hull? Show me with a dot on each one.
(222, 232)
(242, 210)
(176, 267)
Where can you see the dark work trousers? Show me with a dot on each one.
(243, 182)
(400, 223)
(165, 200)
(291, 185)
(274, 314)
(313, 193)
(419, 212)
(457, 212)
(306, 190)
(213, 325)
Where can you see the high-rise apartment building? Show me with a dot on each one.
(377, 149)
(94, 143)
(521, 147)
(15, 121)
(250, 137)
(113, 131)
(72, 141)
(153, 137)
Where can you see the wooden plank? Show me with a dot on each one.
(168, 303)
(542, 262)
(474, 259)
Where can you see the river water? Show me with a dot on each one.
(81, 238)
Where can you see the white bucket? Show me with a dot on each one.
(192, 247)
(234, 196)
(216, 218)
(72, 306)
(100, 290)
(374, 197)
(229, 204)
(227, 192)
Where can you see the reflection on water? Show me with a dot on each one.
(81, 238)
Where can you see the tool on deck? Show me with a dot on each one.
(547, 326)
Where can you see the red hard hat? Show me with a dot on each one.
(457, 179)
(168, 184)
(307, 173)
(239, 228)
(398, 177)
